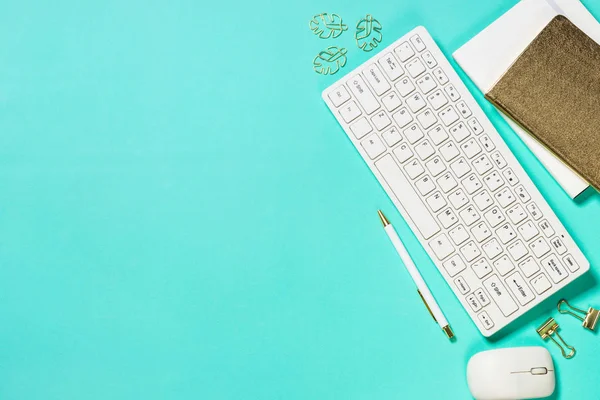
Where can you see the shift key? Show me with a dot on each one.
(361, 92)
(500, 295)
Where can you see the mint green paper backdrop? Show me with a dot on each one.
(182, 218)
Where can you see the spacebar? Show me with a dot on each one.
(407, 196)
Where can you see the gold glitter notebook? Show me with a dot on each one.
(553, 91)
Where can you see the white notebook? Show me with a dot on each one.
(488, 55)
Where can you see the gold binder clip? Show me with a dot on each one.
(589, 318)
(548, 329)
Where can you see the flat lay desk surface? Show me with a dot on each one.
(182, 218)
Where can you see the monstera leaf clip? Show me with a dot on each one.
(368, 33)
(330, 60)
(327, 25)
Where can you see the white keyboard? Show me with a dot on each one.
(474, 209)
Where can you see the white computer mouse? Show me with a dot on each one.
(511, 373)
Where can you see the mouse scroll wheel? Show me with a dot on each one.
(539, 371)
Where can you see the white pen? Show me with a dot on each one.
(422, 289)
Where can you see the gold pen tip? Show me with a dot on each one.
(448, 331)
(383, 219)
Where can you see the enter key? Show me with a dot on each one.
(519, 288)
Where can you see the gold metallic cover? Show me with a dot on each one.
(553, 91)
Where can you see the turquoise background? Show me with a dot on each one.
(182, 218)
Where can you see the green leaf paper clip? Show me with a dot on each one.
(368, 33)
(330, 60)
(327, 25)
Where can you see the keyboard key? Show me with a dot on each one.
(350, 111)
(452, 92)
(519, 288)
(546, 228)
(482, 297)
(463, 109)
(539, 247)
(406, 196)
(534, 211)
(375, 78)
(473, 302)
(413, 133)
(441, 246)
(483, 200)
(391, 66)
(437, 100)
(447, 182)
(362, 94)
(436, 201)
(360, 128)
(505, 197)
(470, 251)
(571, 263)
(460, 167)
(391, 136)
(458, 199)
(426, 83)
(461, 285)
(482, 164)
(475, 126)
(454, 265)
(391, 101)
(458, 235)
(481, 231)
(417, 43)
(449, 151)
(493, 181)
(460, 132)
(415, 102)
(541, 283)
(424, 150)
(415, 67)
(504, 265)
(498, 160)
(516, 214)
(402, 117)
(469, 216)
(435, 166)
(492, 249)
(481, 268)
(405, 87)
(471, 148)
(554, 268)
(373, 146)
(528, 230)
(506, 233)
(381, 120)
(429, 59)
(440, 75)
(529, 267)
(494, 217)
(522, 193)
(339, 96)
(403, 152)
(448, 116)
(404, 51)
(413, 169)
(500, 296)
(485, 319)
(425, 185)
(517, 250)
(471, 184)
(510, 177)
(447, 218)
(427, 119)
(487, 143)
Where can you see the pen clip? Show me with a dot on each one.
(426, 305)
